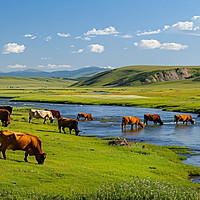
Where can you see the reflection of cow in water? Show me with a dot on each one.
(5, 117)
(21, 141)
(69, 123)
(183, 118)
(87, 116)
(131, 120)
(44, 114)
(152, 117)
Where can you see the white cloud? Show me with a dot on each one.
(13, 48)
(84, 38)
(72, 46)
(32, 37)
(127, 36)
(149, 32)
(108, 67)
(53, 66)
(96, 48)
(107, 31)
(173, 46)
(155, 44)
(79, 51)
(63, 34)
(189, 27)
(48, 38)
(17, 66)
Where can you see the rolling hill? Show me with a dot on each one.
(141, 75)
(73, 74)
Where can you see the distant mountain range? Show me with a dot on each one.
(74, 74)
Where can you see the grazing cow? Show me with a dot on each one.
(87, 116)
(9, 108)
(21, 141)
(68, 122)
(55, 113)
(183, 118)
(152, 117)
(131, 120)
(44, 114)
(5, 117)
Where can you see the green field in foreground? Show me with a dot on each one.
(79, 167)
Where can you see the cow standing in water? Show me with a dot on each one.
(152, 117)
(87, 116)
(21, 141)
(69, 123)
(131, 120)
(184, 119)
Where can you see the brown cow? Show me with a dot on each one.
(5, 117)
(152, 117)
(183, 118)
(9, 108)
(68, 122)
(21, 141)
(131, 120)
(87, 116)
(55, 113)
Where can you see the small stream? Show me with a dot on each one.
(108, 123)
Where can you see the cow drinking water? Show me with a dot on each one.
(184, 119)
(152, 117)
(131, 120)
(87, 116)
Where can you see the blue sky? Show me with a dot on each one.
(70, 34)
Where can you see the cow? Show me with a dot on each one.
(152, 117)
(44, 114)
(131, 120)
(55, 113)
(9, 108)
(87, 116)
(69, 123)
(21, 141)
(184, 119)
(5, 117)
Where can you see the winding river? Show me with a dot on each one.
(108, 123)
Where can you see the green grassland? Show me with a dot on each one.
(80, 167)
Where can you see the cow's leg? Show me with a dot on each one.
(136, 125)
(25, 158)
(63, 128)
(30, 119)
(70, 130)
(131, 126)
(186, 122)
(59, 127)
(44, 120)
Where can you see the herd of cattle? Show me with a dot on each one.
(32, 145)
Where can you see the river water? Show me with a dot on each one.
(108, 123)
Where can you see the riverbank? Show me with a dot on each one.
(74, 161)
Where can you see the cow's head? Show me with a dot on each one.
(40, 157)
(51, 119)
(192, 121)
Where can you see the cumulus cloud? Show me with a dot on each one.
(32, 37)
(53, 66)
(192, 26)
(79, 51)
(63, 34)
(155, 44)
(84, 38)
(107, 31)
(17, 66)
(13, 48)
(96, 48)
(149, 32)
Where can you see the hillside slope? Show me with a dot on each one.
(139, 75)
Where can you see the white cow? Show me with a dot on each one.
(44, 114)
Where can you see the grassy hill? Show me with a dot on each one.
(141, 75)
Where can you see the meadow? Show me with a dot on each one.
(80, 167)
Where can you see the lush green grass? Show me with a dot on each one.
(81, 165)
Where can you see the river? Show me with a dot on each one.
(108, 123)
